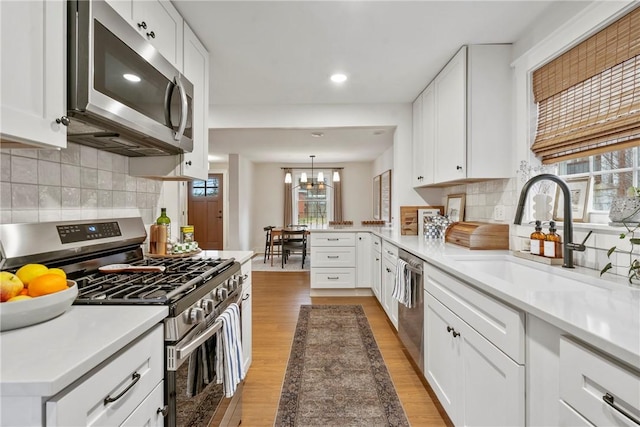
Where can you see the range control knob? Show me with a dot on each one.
(232, 284)
(196, 315)
(207, 305)
(221, 294)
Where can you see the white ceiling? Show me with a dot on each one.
(283, 52)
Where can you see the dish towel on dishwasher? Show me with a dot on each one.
(229, 366)
(402, 290)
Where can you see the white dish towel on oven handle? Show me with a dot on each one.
(230, 350)
(402, 290)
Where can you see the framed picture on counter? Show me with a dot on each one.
(579, 188)
(376, 197)
(385, 196)
(455, 207)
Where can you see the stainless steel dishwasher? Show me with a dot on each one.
(411, 320)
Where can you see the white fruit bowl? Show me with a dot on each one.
(18, 314)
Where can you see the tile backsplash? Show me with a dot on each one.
(78, 182)
(482, 198)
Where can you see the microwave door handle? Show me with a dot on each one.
(167, 104)
(184, 113)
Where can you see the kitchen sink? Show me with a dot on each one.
(536, 276)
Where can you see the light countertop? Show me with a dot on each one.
(43, 359)
(602, 313)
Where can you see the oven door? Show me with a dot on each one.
(188, 405)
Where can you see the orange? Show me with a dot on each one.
(24, 291)
(28, 272)
(47, 284)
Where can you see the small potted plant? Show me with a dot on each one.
(626, 211)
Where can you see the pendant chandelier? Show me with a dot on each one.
(309, 183)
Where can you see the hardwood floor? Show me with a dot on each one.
(276, 301)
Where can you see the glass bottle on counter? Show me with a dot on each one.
(553, 242)
(537, 240)
(163, 219)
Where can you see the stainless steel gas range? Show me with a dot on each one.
(196, 291)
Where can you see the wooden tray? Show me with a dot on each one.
(183, 255)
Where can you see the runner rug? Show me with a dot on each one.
(336, 375)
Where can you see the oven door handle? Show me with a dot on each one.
(184, 351)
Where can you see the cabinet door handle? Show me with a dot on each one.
(134, 379)
(609, 400)
(246, 297)
(459, 168)
(164, 410)
(151, 34)
(449, 329)
(142, 25)
(64, 120)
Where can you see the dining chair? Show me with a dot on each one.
(270, 241)
(293, 240)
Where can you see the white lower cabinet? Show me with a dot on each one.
(333, 260)
(389, 303)
(476, 383)
(363, 260)
(115, 391)
(376, 267)
(148, 413)
(247, 316)
(599, 390)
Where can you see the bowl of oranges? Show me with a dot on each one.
(34, 294)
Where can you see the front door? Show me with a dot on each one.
(205, 211)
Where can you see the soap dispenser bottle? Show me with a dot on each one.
(537, 240)
(553, 242)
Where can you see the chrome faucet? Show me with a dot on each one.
(567, 228)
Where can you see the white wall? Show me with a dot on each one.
(268, 195)
(398, 159)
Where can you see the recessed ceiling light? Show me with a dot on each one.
(317, 134)
(338, 78)
(132, 77)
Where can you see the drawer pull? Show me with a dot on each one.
(455, 334)
(134, 379)
(332, 277)
(334, 239)
(609, 400)
(333, 256)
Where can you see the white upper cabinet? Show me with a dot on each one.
(424, 137)
(32, 79)
(465, 127)
(417, 150)
(450, 117)
(157, 21)
(194, 165)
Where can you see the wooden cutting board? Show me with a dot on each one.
(409, 218)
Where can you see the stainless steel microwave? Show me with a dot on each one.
(123, 95)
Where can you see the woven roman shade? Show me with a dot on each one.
(589, 97)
